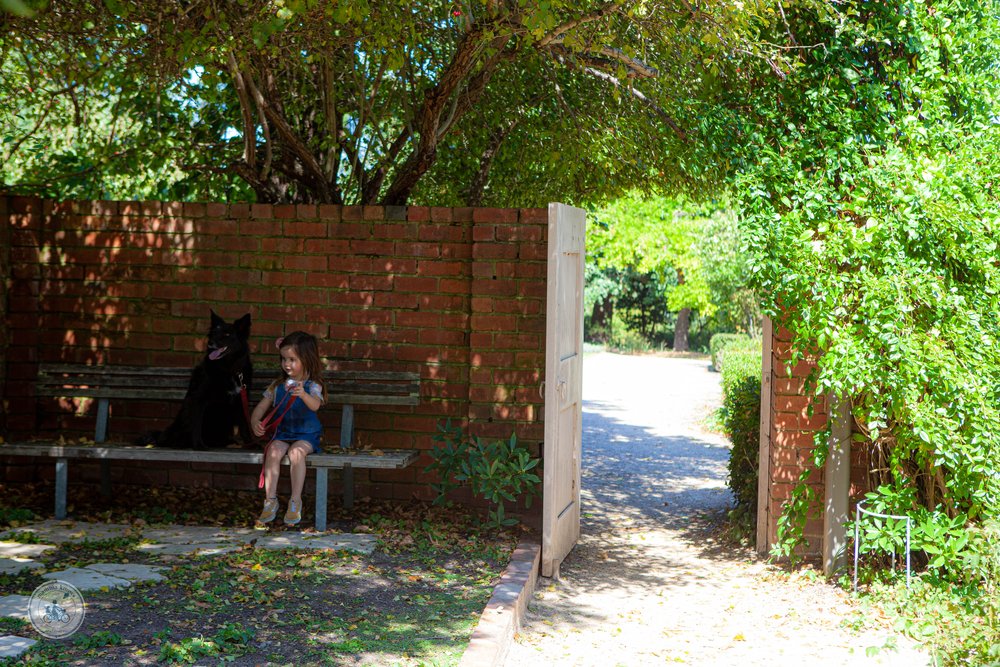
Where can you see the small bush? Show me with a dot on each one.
(628, 341)
(499, 472)
(725, 341)
(741, 420)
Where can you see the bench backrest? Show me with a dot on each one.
(345, 387)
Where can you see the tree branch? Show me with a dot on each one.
(638, 95)
(559, 32)
(273, 113)
(435, 99)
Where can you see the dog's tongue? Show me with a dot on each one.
(217, 352)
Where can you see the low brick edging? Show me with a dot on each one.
(502, 617)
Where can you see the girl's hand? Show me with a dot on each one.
(257, 427)
(297, 389)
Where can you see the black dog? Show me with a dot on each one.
(213, 406)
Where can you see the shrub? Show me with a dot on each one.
(498, 472)
(741, 420)
(628, 341)
(725, 341)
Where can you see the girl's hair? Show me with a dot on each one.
(307, 349)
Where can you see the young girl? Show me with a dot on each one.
(300, 391)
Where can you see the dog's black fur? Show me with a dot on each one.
(213, 408)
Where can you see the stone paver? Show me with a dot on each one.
(18, 550)
(56, 531)
(190, 548)
(12, 646)
(15, 606)
(86, 579)
(349, 541)
(16, 565)
(129, 571)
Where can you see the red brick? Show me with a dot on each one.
(395, 265)
(261, 211)
(490, 250)
(415, 284)
(329, 212)
(304, 263)
(417, 319)
(311, 229)
(373, 213)
(501, 215)
(534, 216)
(796, 404)
(408, 249)
(395, 231)
(351, 213)
(418, 213)
(488, 286)
(282, 245)
(518, 233)
(307, 297)
(362, 299)
(452, 233)
(376, 248)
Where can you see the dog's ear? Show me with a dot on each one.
(216, 320)
(243, 326)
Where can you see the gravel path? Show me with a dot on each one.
(649, 583)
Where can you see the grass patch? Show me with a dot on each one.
(414, 601)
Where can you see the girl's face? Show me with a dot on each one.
(291, 364)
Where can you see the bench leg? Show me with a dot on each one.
(321, 499)
(346, 426)
(101, 430)
(61, 475)
(106, 478)
(347, 479)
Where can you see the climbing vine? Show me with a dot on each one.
(870, 202)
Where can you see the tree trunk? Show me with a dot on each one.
(600, 317)
(681, 330)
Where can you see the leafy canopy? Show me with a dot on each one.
(357, 101)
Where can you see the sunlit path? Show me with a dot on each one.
(649, 583)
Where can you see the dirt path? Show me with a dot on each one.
(649, 584)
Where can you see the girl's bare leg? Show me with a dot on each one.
(297, 454)
(272, 468)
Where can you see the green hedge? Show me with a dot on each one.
(723, 342)
(741, 420)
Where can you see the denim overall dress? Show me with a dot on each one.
(299, 423)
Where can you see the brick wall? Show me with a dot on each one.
(795, 418)
(793, 422)
(456, 294)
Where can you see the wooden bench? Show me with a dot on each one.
(117, 383)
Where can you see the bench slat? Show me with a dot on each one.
(359, 387)
(110, 392)
(157, 371)
(106, 371)
(126, 382)
(388, 459)
(178, 394)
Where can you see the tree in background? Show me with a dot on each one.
(725, 263)
(653, 256)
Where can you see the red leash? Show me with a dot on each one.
(270, 423)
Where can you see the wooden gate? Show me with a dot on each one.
(563, 386)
